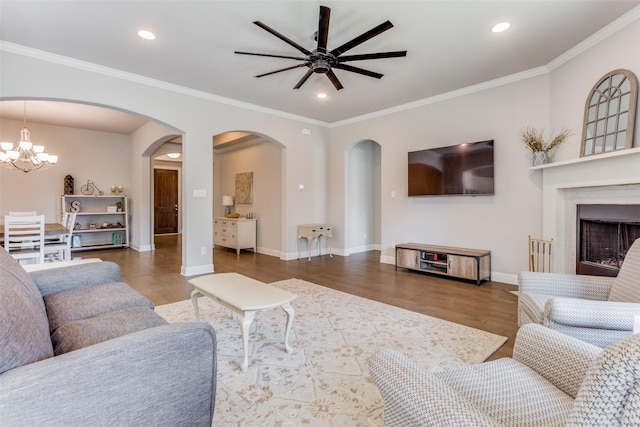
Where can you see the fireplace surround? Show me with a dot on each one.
(612, 178)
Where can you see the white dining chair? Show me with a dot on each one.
(540, 255)
(60, 249)
(24, 238)
(25, 213)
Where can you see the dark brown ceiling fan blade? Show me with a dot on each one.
(282, 37)
(359, 70)
(283, 69)
(323, 28)
(378, 55)
(303, 79)
(334, 79)
(298, 58)
(362, 38)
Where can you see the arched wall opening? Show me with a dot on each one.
(88, 148)
(242, 151)
(363, 197)
(166, 191)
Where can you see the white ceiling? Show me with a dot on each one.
(449, 43)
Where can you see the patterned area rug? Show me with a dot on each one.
(324, 381)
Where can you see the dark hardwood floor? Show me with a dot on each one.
(489, 307)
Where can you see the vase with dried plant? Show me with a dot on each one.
(534, 140)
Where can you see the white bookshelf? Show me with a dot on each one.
(99, 224)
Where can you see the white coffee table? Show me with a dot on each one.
(244, 296)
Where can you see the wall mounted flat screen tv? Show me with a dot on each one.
(464, 169)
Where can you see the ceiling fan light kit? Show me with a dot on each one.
(322, 61)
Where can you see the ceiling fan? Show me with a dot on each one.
(322, 61)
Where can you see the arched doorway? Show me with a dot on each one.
(241, 152)
(363, 197)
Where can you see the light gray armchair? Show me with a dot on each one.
(599, 310)
(552, 380)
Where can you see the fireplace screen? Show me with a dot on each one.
(603, 241)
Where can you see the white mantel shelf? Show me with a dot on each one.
(617, 153)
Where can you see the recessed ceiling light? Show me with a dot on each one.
(173, 155)
(322, 95)
(503, 26)
(147, 35)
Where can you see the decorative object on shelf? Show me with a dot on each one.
(89, 188)
(118, 206)
(120, 189)
(93, 226)
(25, 157)
(74, 207)
(112, 209)
(533, 139)
(76, 240)
(68, 185)
(227, 202)
(610, 114)
(116, 238)
(244, 188)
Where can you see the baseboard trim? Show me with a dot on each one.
(199, 269)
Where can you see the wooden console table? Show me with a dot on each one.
(311, 231)
(470, 264)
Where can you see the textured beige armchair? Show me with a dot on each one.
(552, 380)
(599, 310)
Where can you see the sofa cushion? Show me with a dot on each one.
(510, 393)
(83, 303)
(532, 305)
(82, 333)
(24, 329)
(73, 276)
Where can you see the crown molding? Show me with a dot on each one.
(136, 78)
(524, 75)
(596, 38)
(581, 47)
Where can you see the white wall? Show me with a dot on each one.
(572, 83)
(498, 223)
(101, 157)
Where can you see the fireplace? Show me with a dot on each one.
(604, 235)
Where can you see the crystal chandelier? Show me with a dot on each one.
(25, 157)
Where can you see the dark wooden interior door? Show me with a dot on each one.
(165, 184)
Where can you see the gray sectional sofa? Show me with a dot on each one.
(80, 347)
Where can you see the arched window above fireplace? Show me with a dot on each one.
(609, 113)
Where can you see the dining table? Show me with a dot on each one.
(51, 229)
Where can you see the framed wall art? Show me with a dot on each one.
(244, 188)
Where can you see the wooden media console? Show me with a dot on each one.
(459, 263)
